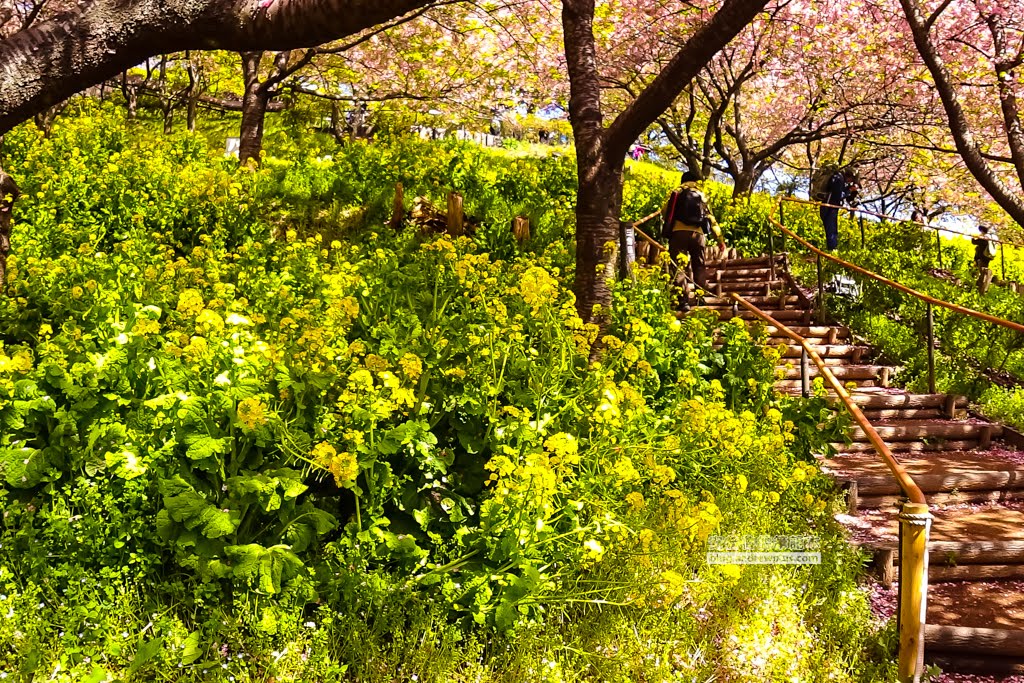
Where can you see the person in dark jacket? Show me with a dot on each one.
(690, 239)
(842, 187)
(984, 252)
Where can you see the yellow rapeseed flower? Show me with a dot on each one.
(252, 412)
(635, 500)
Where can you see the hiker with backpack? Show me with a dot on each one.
(984, 252)
(832, 186)
(687, 222)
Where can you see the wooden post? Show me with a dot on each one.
(628, 248)
(885, 564)
(938, 246)
(931, 349)
(456, 226)
(915, 524)
(782, 221)
(862, 240)
(398, 209)
(819, 301)
(771, 252)
(521, 229)
(1002, 258)
(853, 497)
(805, 375)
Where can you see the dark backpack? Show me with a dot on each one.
(820, 181)
(686, 206)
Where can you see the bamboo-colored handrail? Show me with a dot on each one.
(647, 238)
(1009, 324)
(906, 482)
(866, 212)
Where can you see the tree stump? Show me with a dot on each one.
(398, 210)
(521, 229)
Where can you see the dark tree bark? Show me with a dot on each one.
(601, 151)
(8, 195)
(52, 60)
(44, 119)
(254, 109)
(192, 93)
(967, 144)
(130, 90)
(167, 99)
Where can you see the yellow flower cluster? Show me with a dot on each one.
(252, 412)
(538, 288)
(343, 466)
(190, 303)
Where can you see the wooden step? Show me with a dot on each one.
(974, 641)
(812, 332)
(731, 274)
(945, 498)
(908, 446)
(841, 372)
(897, 399)
(935, 483)
(827, 351)
(904, 414)
(975, 572)
(761, 301)
(791, 315)
(918, 430)
(749, 262)
(755, 288)
(794, 387)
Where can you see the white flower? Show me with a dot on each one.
(122, 339)
(222, 379)
(235, 319)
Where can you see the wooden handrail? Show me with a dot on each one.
(1009, 324)
(906, 482)
(866, 212)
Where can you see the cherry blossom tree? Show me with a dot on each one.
(601, 149)
(973, 49)
(800, 74)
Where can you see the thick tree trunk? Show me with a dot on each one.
(600, 152)
(254, 109)
(599, 196)
(743, 184)
(191, 93)
(168, 114)
(598, 207)
(192, 113)
(131, 96)
(8, 195)
(337, 123)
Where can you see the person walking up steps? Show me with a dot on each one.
(687, 222)
(984, 252)
(833, 186)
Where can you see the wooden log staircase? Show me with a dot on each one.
(969, 469)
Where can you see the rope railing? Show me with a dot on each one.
(963, 310)
(887, 217)
(915, 519)
(906, 482)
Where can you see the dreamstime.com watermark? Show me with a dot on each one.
(764, 550)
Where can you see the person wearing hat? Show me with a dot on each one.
(688, 222)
